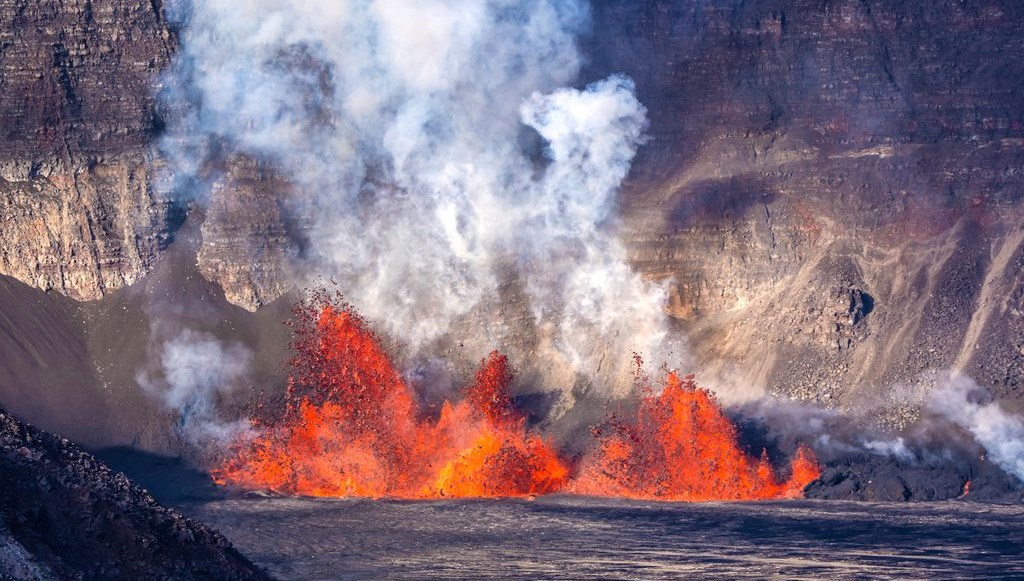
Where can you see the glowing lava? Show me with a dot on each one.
(351, 427)
(683, 448)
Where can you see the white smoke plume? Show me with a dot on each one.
(438, 147)
(1001, 433)
(893, 448)
(195, 370)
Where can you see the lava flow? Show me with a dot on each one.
(352, 427)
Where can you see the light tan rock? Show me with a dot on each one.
(247, 248)
(86, 231)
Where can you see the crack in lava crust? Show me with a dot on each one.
(352, 427)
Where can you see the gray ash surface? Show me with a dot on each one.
(585, 538)
(65, 515)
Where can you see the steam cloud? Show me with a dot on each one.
(407, 128)
(1001, 433)
(895, 448)
(195, 369)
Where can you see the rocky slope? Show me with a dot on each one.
(65, 515)
(835, 187)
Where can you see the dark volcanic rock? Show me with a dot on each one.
(875, 478)
(77, 77)
(63, 514)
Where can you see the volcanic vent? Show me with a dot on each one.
(351, 426)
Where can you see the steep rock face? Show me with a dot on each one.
(248, 242)
(806, 155)
(78, 208)
(85, 231)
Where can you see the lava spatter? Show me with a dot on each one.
(352, 427)
(681, 447)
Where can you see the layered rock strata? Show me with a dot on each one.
(79, 212)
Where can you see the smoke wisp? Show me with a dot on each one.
(195, 369)
(1001, 433)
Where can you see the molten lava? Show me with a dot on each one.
(351, 427)
(683, 448)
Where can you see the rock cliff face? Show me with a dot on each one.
(247, 242)
(78, 209)
(834, 186)
(83, 231)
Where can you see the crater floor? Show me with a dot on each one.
(564, 537)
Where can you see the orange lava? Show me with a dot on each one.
(682, 448)
(352, 427)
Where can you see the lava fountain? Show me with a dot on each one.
(682, 448)
(352, 427)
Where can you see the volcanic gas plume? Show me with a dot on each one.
(351, 427)
(424, 142)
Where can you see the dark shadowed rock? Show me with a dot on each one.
(64, 514)
(878, 478)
